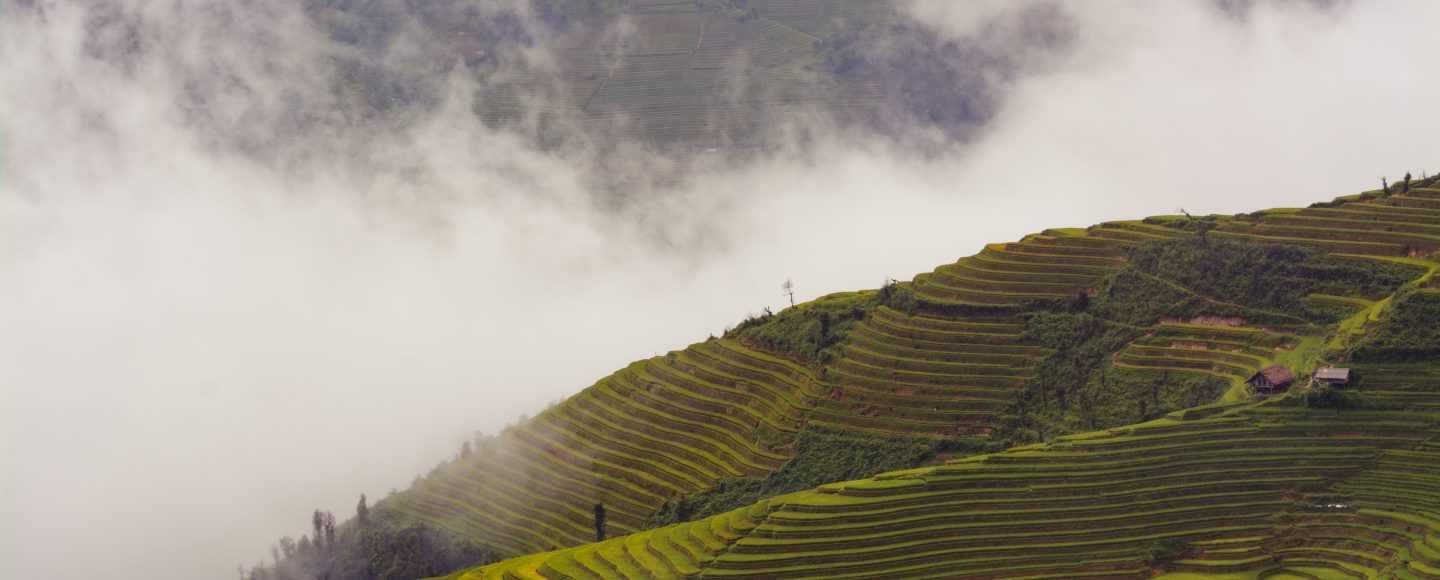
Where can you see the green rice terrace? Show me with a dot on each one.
(1076, 404)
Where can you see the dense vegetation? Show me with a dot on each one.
(823, 455)
(378, 544)
(1409, 332)
(1063, 391)
(1264, 282)
(1076, 388)
(811, 331)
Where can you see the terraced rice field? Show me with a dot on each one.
(1238, 483)
(926, 376)
(1055, 264)
(1230, 353)
(1398, 225)
(1261, 488)
(669, 425)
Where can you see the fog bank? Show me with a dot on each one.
(199, 345)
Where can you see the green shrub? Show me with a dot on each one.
(1409, 331)
(810, 332)
(1327, 397)
(1065, 393)
(822, 455)
(1258, 281)
(1162, 552)
(807, 332)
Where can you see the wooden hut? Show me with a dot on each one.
(1271, 380)
(1333, 376)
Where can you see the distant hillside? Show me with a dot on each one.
(1065, 332)
(680, 74)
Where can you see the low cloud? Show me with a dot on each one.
(211, 323)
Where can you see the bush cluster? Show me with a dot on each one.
(822, 455)
(1257, 281)
(811, 332)
(1410, 331)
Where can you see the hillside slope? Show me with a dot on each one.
(1063, 332)
(684, 76)
(1316, 484)
(1277, 487)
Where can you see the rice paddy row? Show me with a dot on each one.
(1259, 488)
(689, 420)
(658, 428)
(1406, 225)
(1230, 353)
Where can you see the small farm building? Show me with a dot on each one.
(1335, 376)
(1271, 380)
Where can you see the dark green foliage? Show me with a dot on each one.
(1341, 399)
(823, 455)
(362, 512)
(1135, 298)
(1410, 331)
(386, 546)
(400, 548)
(1162, 552)
(810, 332)
(1071, 389)
(1257, 281)
(898, 296)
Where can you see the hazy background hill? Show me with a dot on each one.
(239, 285)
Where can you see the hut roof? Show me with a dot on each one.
(1333, 373)
(1276, 374)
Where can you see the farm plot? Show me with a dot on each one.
(926, 376)
(1252, 488)
(661, 427)
(1231, 353)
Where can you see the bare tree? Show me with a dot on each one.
(789, 288)
(330, 530)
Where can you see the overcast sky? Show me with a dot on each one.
(197, 348)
